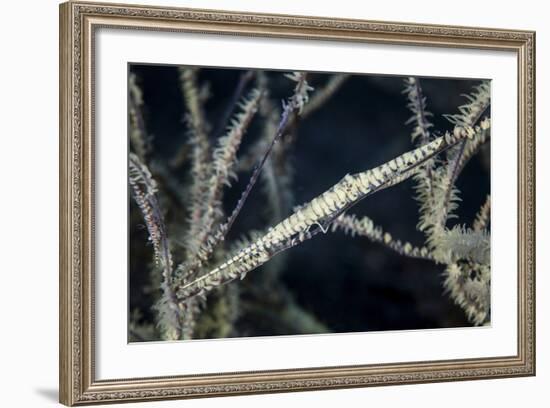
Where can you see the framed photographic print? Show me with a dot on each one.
(261, 203)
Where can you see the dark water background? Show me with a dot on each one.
(348, 284)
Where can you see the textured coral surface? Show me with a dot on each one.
(208, 261)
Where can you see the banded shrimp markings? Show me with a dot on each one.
(316, 215)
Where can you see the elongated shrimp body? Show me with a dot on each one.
(320, 211)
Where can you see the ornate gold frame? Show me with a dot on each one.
(78, 22)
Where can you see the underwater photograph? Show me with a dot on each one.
(269, 203)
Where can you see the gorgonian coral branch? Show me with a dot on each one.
(436, 209)
(474, 145)
(224, 159)
(315, 101)
(417, 105)
(225, 154)
(324, 93)
(201, 244)
(424, 178)
(469, 115)
(365, 227)
(144, 190)
(200, 150)
(469, 285)
(478, 102)
(190, 310)
(194, 115)
(317, 215)
(138, 133)
(293, 105)
(244, 79)
(461, 243)
(483, 217)
(277, 172)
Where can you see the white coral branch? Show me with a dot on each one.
(144, 190)
(365, 227)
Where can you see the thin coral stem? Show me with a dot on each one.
(194, 117)
(365, 227)
(244, 79)
(417, 105)
(290, 108)
(223, 157)
(323, 95)
(317, 100)
(258, 168)
(472, 148)
(293, 105)
(483, 216)
(422, 121)
(138, 130)
(454, 167)
(143, 189)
